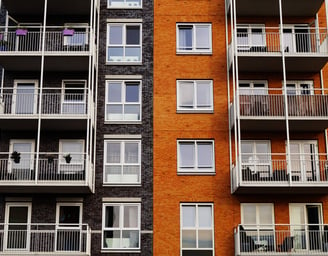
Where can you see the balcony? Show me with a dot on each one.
(281, 239)
(307, 110)
(22, 48)
(268, 173)
(260, 50)
(45, 239)
(66, 109)
(45, 172)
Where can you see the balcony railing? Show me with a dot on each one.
(312, 42)
(272, 169)
(12, 39)
(281, 239)
(50, 167)
(20, 101)
(271, 103)
(42, 239)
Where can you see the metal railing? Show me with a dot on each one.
(20, 101)
(281, 239)
(296, 41)
(36, 238)
(11, 40)
(272, 168)
(52, 167)
(266, 102)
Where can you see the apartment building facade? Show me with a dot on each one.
(76, 128)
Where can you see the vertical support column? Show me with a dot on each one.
(285, 90)
(41, 88)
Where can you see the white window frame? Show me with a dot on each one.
(194, 108)
(123, 101)
(250, 37)
(252, 88)
(119, 180)
(73, 102)
(125, 5)
(83, 26)
(123, 59)
(35, 96)
(196, 228)
(7, 211)
(195, 169)
(298, 89)
(194, 36)
(11, 149)
(61, 160)
(121, 225)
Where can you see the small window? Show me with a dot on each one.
(123, 101)
(124, 4)
(197, 236)
(194, 95)
(194, 38)
(124, 42)
(122, 162)
(121, 226)
(196, 156)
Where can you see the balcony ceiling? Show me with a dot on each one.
(55, 7)
(271, 7)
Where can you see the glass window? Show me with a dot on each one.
(256, 87)
(196, 156)
(197, 237)
(195, 95)
(121, 226)
(124, 4)
(122, 162)
(194, 38)
(123, 101)
(251, 38)
(124, 42)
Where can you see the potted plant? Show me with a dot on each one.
(15, 156)
(50, 159)
(21, 31)
(68, 158)
(68, 32)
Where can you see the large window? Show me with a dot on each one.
(197, 236)
(124, 43)
(194, 38)
(122, 162)
(123, 101)
(196, 156)
(124, 4)
(121, 226)
(194, 95)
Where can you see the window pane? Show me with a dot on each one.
(132, 112)
(114, 92)
(132, 92)
(112, 217)
(130, 239)
(112, 239)
(204, 94)
(187, 154)
(188, 238)
(205, 216)
(130, 216)
(114, 112)
(131, 153)
(202, 37)
(115, 34)
(205, 239)
(188, 216)
(265, 214)
(185, 37)
(133, 53)
(115, 52)
(113, 152)
(69, 214)
(205, 154)
(186, 94)
(132, 35)
(249, 214)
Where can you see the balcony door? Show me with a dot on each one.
(69, 219)
(17, 227)
(304, 161)
(74, 97)
(21, 167)
(72, 149)
(25, 97)
(305, 221)
(297, 38)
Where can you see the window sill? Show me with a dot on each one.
(125, 7)
(196, 173)
(123, 122)
(193, 53)
(121, 185)
(139, 63)
(119, 251)
(195, 111)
